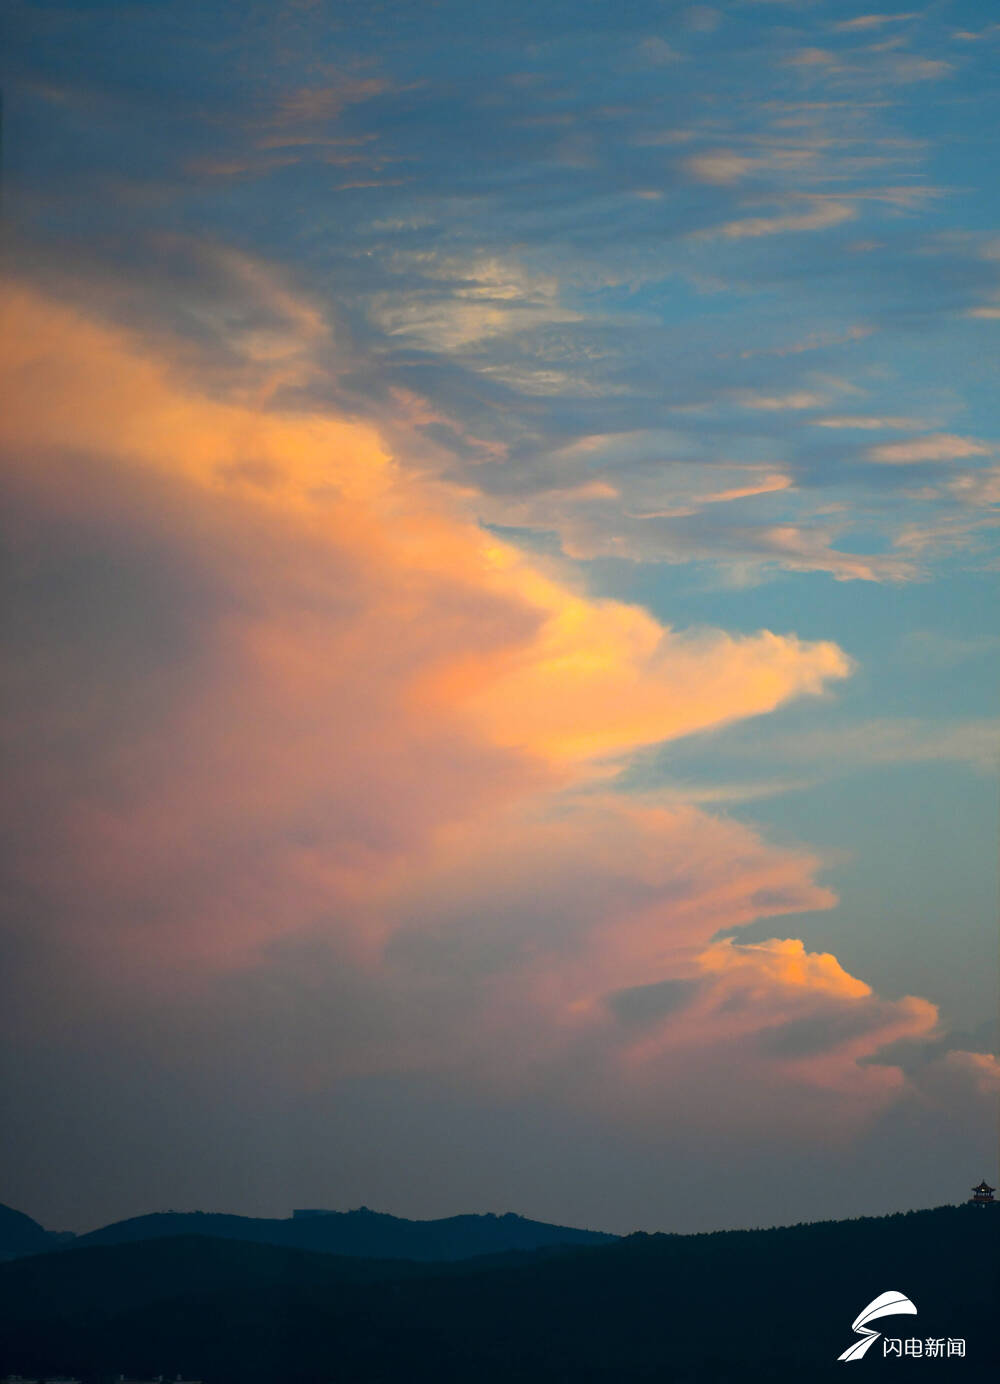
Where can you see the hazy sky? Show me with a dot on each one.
(501, 705)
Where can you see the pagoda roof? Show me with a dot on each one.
(984, 1186)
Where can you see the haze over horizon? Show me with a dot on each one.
(502, 655)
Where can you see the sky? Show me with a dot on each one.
(500, 696)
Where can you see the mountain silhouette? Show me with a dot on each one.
(370, 1234)
(714, 1309)
(19, 1234)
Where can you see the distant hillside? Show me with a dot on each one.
(369, 1234)
(19, 1234)
(725, 1308)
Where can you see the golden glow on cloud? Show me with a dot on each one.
(785, 963)
(599, 678)
(73, 382)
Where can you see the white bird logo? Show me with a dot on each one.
(885, 1305)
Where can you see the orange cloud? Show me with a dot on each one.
(599, 677)
(276, 694)
(785, 1033)
(782, 963)
(767, 485)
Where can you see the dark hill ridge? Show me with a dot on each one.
(19, 1233)
(370, 1234)
(714, 1309)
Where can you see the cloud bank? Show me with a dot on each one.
(293, 737)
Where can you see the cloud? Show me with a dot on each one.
(817, 341)
(975, 743)
(288, 725)
(296, 125)
(596, 1018)
(318, 547)
(776, 403)
(981, 1069)
(686, 531)
(767, 485)
(319, 104)
(866, 423)
(859, 68)
(812, 57)
(719, 166)
(872, 21)
(979, 488)
(934, 447)
(823, 215)
(281, 724)
(991, 31)
(295, 737)
(524, 294)
(794, 1018)
(785, 963)
(657, 51)
(466, 302)
(914, 69)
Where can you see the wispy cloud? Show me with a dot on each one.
(720, 166)
(863, 22)
(977, 487)
(867, 423)
(778, 403)
(991, 31)
(934, 447)
(821, 215)
(767, 485)
(905, 740)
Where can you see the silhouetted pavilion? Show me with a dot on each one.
(983, 1194)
